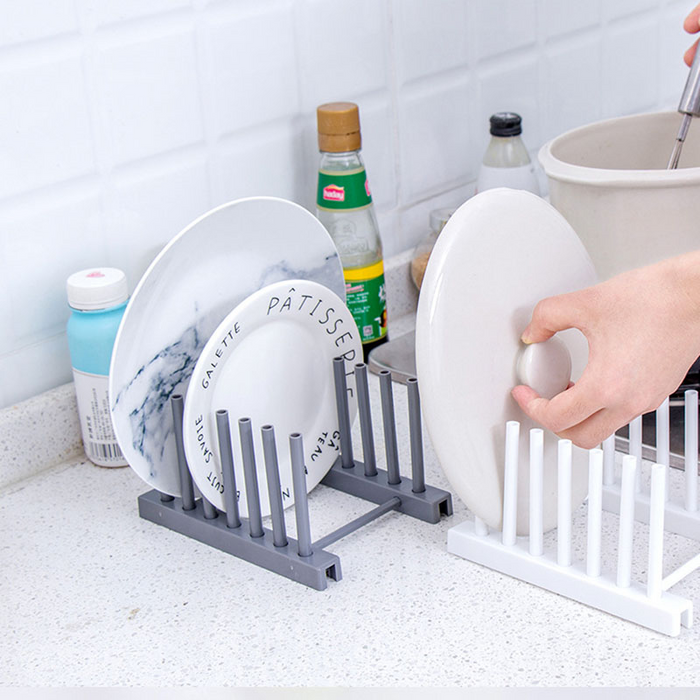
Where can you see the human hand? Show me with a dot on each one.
(691, 25)
(643, 332)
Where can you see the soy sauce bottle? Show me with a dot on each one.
(344, 207)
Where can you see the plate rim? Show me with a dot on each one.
(245, 307)
(130, 454)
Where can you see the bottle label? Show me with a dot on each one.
(366, 299)
(345, 190)
(96, 420)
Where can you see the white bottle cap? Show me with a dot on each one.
(97, 288)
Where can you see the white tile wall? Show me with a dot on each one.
(46, 241)
(147, 95)
(123, 120)
(343, 49)
(146, 206)
(561, 18)
(568, 102)
(630, 60)
(251, 66)
(237, 171)
(436, 134)
(503, 26)
(45, 134)
(98, 13)
(34, 19)
(430, 37)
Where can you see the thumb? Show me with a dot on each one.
(692, 21)
(550, 316)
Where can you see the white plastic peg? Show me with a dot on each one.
(635, 448)
(624, 547)
(609, 460)
(691, 450)
(536, 471)
(657, 504)
(510, 483)
(480, 527)
(564, 503)
(663, 449)
(595, 509)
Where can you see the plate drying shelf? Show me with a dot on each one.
(301, 559)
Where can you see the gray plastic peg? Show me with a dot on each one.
(186, 485)
(210, 511)
(274, 490)
(250, 474)
(223, 430)
(341, 402)
(417, 466)
(364, 410)
(301, 501)
(392, 451)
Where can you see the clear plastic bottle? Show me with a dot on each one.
(506, 162)
(344, 207)
(98, 299)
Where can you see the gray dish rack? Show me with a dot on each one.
(302, 559)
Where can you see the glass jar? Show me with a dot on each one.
(437, 219)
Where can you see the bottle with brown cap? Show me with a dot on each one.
(345, 208)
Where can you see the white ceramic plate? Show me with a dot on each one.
(271, 360)
(499, 254)
(194, 282)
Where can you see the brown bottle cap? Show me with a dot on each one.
(338, 127)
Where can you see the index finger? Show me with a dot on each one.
(552, 315)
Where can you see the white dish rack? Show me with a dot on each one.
(647, 602)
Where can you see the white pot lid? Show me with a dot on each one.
(499, 254)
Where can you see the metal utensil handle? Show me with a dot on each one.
(689, 107)
(690, 99)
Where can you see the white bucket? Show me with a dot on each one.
(609, 180)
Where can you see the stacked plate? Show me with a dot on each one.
(243, 310)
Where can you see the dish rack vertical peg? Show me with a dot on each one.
(300, 559)
(681, 518)
(363, 479)
(648, 603)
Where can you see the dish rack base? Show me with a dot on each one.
(648, 603)
(429, 505)
(666, 614)
(312, 571)
(302, 560)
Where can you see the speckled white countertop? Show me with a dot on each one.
(92, 594)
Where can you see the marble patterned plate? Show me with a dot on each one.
(271, 360)
(498, 255)
(194, 282)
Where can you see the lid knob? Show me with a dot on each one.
(545, 367)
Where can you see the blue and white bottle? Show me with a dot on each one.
(98, 298)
